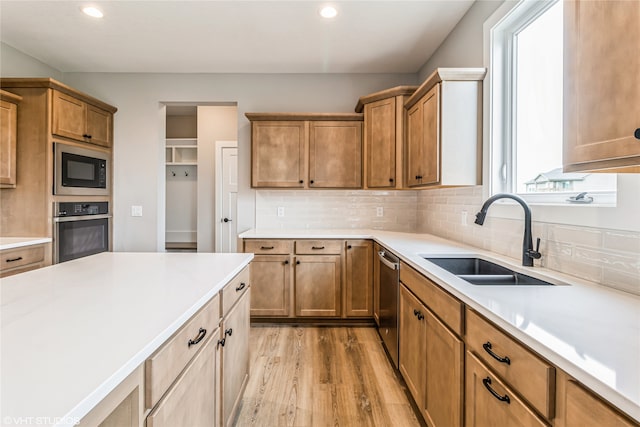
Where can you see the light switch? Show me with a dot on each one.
(379, 211)
(280, 211)
(136, 210)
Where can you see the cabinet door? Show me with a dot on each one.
(279, 153)
(584, 409)
(489, 402)
(335, 154)
(380, 143)
(359, 283)
(235, 357)
(69, 116)
(423, 140)
(376, 284)
(317, 285)
(444, 380)
(602, 84)
(98, 126)
(270, 285)
(412, 343)
(8, 128)
(191, 399)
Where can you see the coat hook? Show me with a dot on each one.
(173, 173)
(186, 173)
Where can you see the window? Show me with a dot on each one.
(526, 110)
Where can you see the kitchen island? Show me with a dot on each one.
(587, 330)
(72, 332)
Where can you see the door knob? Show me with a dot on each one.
(226, 220)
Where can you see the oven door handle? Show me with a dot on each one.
(80, 218)
(385, 261)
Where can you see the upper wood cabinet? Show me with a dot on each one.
(76, 119)
(444, 129)
(8, 130)
(290, 150)
(601, 86)
(384, 136)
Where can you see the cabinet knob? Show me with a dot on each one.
(286, 262)
(637, 133)
(301, 182)
(348, 246)
(311, 182)
(297, 262)
(390, 179)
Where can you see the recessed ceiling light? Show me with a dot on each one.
(328, 12)
(94, 12)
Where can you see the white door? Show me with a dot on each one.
(226, 236)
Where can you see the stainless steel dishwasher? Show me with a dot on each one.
(388, 298)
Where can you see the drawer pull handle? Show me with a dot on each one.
(14, 259)
(221, 343)
(487, 384)
(265, 248)
(487, 348)
(241, 287)
(201, 333)
(317, 247)
(228, 332)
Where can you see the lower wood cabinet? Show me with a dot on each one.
(317, 285)
(412, 341)
(19, 260)
(582, 408)
(359, 280)
(489, 402)
(271, 285)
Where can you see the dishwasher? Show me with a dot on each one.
(389, 266)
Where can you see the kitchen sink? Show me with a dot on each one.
(482, 272)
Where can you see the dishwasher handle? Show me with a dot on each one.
(385, 261)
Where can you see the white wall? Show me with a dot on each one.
(14, 63)
(139, 138)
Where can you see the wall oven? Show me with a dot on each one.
(80, 229)
(80, 171)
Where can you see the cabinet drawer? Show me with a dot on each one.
(319, 247)
(164, 366)
(445, 306)
(15, 258)
(265, 247)
(529, 375)
(490, 402)
(233, 290)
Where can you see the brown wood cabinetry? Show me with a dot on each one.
(384, 136)
(76, 119)
(412, 335)
(271, 277)
(8, 140)
(317, 285)
(584, 409)
(359, 280)
(291, 150)
(18, 260)
(601, 86)
(443, 135)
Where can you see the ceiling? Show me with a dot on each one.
(230, 36)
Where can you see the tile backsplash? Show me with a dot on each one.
(604, 256)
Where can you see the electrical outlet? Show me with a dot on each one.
(379, 211)
(463, 218)
(280, 211)
(136, 210)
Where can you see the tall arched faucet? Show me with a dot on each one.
(528, 254)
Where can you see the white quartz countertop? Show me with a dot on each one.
(18, 242)
(589, 331)
(72, 332)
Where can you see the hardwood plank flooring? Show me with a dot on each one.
(322, 376)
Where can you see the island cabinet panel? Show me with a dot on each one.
(191, 399)
(359, 280)
(279, 153)
(490, 402)
(529, 375)
(602, 87)
(317, 285)
(585, 409)
(271, 285)
(235, 356)
(8, 138)
(18, 260)
(76, 119)
(335, 154)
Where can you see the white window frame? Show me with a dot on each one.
(613, 210)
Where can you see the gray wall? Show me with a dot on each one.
(14, 63)
(463, 46)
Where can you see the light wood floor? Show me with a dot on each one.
(322, 376)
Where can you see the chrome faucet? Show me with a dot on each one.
(528, 254)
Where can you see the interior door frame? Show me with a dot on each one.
(219, 146)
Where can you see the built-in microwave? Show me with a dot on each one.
(80, 171)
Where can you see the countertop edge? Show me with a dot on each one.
(19, 242)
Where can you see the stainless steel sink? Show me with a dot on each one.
(482, 272)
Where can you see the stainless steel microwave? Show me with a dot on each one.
(80, 171)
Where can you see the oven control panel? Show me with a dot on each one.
(81, 208)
